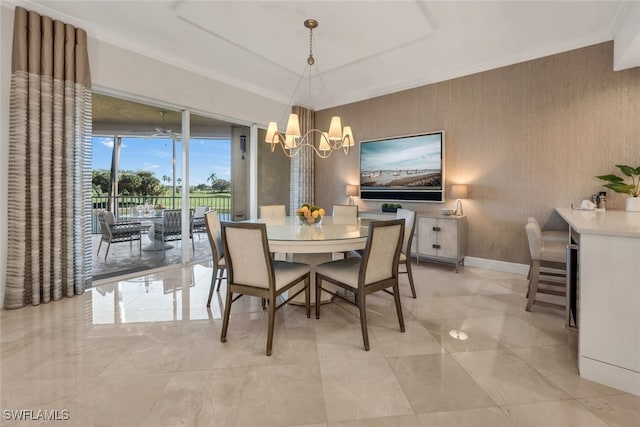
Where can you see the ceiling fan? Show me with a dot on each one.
(163, 132)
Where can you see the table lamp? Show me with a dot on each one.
(459, 191)
(351, 190)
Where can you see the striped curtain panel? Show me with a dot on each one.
(302, 169)
(49, 206)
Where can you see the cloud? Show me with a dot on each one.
(107, 142)
(151, 166)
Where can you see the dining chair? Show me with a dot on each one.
(541, 251)
(376, 270)
(171, 228)
(212, 225)
(345, 214)
(273, 212)
(252, 271)
(405, 254)
(116, 232)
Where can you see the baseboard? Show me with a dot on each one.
(492, 264)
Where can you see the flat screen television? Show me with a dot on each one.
(403, 168)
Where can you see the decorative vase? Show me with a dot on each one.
(632, 204)
(303, 220)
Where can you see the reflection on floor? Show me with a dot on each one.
(147, 352)
(124, 258)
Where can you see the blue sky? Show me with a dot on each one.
(154, 154)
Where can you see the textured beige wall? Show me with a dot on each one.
(527, 138)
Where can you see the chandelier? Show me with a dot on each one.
(292, 141)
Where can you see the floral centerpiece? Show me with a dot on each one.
(310, 214)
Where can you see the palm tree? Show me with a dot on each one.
(213, 178)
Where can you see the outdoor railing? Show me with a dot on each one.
(219, 202)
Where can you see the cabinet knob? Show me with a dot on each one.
(436, 228)
(436, 246)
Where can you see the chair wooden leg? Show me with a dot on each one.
(361, 297)
(219, 274)
(396, 298)
(307, 294)
(318, 291)
(272, 319)
(410, 275)
(533, 288)
(213, 282)
(225, 319)
(264, 303)
(99, 245)
(107, 253)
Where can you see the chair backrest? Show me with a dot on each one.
(273, 212)
(212, 223)
(109, 219)
(382, 251)
(104, 227)
(409, 228)
(345, 214)
(534, 235)
(172, 222)
(247, 254)
(200, 211)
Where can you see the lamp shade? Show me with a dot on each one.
(335, 129)
(324, 142)
(271, 132)
(293, 126)
(459, 191)
(351, 190)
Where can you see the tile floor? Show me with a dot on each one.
(146, 352)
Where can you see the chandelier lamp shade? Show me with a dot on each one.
(323, 143)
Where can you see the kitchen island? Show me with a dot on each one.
(608, 295)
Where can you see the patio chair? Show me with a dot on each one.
(199, 221)
(116, 232)
(171, 228)
(212, 224)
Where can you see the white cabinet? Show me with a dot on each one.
(441, 238)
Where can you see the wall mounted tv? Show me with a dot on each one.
(403, 168)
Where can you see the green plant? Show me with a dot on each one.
(618, 185)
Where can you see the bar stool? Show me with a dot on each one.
(550, 236)
(544, 251)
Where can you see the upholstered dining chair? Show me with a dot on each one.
(171, 228)
(405, 254)
(269, 212)
(212, 225)
(541, 251)
(252, 271)
(116, 232)
(376, 270)
(345, 214)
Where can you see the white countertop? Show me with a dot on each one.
(605, 222)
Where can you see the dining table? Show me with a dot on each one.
(315, 244)
(148, 223)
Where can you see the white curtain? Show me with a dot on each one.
(302, 165)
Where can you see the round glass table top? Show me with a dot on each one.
(290, 229)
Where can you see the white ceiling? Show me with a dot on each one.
(362, 48)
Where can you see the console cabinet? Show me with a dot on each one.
(441, 238)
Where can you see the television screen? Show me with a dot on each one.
(403, 168)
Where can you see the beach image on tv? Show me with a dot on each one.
(407, 163)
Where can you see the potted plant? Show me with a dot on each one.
(618, 185)
(391, 207)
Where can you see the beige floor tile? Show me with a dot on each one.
(506, 378)
(461, 335)
(146, 351)
(357, 389)
(513, 332)
(282, 395)
(559, 364)
(564, 413)
(415, 340)
(622, 410)
(400, 421)
(482, 417)
(437, 383)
